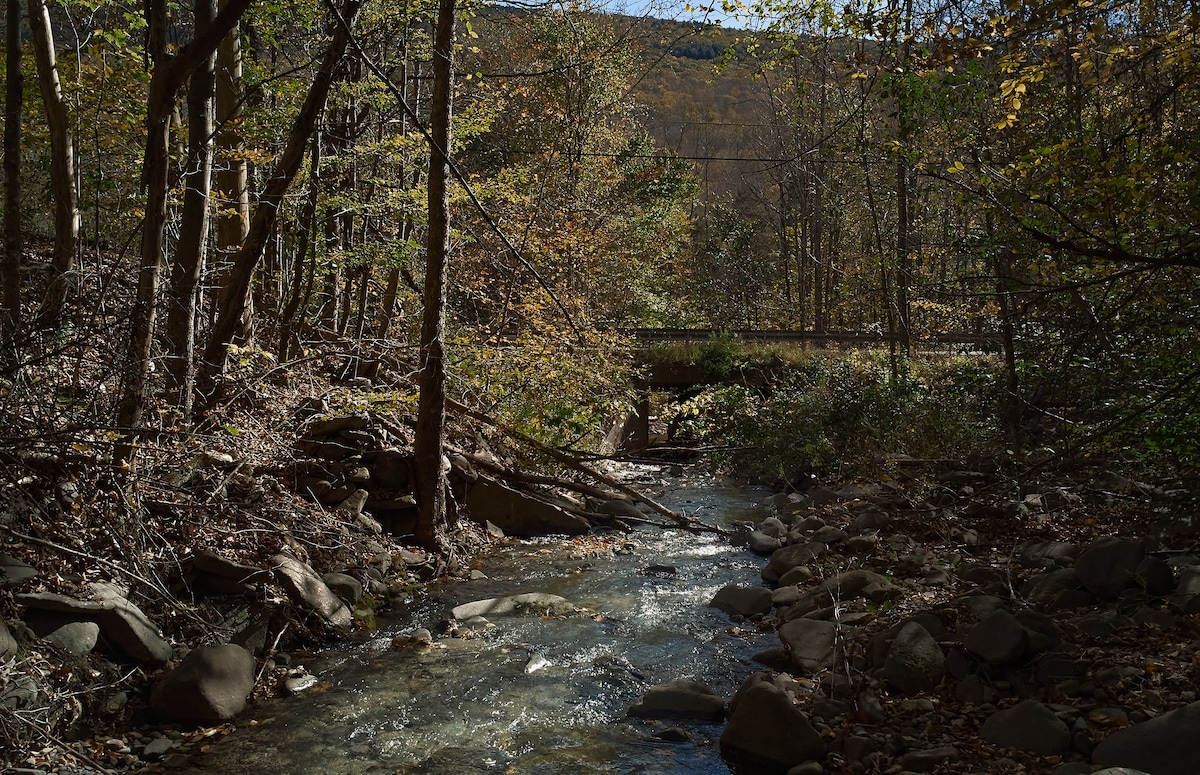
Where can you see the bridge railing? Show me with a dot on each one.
(648, 335)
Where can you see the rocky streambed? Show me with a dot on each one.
(959, 624)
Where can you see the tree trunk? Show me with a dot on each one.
(193, 228)
(12, 180)
(170, 73)
(233, 216)
(429, 473)
(62, 165)
(245, 261)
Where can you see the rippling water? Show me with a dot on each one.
(470, 706)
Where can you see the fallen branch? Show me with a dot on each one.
(570, 462)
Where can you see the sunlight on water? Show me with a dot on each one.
(474, 705)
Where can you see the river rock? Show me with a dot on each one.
(1155, 576)
(78, 638)
(842, 587)
(998, 639)
(1165, 745)
(761, 543)
(1052, 589)
(1037, 554)
(14, 572)
(680, 699)
(767, 732)
(211, 684)
(929, 758)
(1031, 727)
(914, 662)
(344, 586)
(531, 603)
(216, 565)
(8, 644)
(121, 622)
(784, 559)
(742, 601)
(391, 471)
(1109, 565)
(812, 643)
(518, 514)
(304, 586)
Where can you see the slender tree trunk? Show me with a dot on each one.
(193, 228)
(297, 293)
(233, 217)
(13, 240)
(262, 223)
(430, 474)
(62, 165)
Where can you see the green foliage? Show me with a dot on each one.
(718, 356)
(847, 410)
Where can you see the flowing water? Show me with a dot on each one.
(531, 695)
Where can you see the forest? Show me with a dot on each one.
(230, 227)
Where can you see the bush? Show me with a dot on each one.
(848, 410)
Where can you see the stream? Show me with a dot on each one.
(532, 694)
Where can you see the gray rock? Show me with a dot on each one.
(761, 543)
(846, 586)
(797, 575)
(78, 638)
(157, 748)
(767, 730)
(1165, 745)
(1030, 727)
(772, 527)
(215, 564)
(304, 586)
(1036, 554)
(121, 622)
(391, 471)
(742, 601)
(914, 662)
(8, 644)
(1186, 597)
(211, 684)
(518, 514)
(784, 559)
(1109, 565)
(14, 572)
(530, 603)
(1044, 633)
(812, 643)
(680, 700)
(829, 535)
(1045, 589)
(344, 586)
(998, 639)
(354, 502)
(335, 425)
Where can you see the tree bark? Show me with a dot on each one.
(170, 72)
(13, 241)
(429, 473)
(245, 261)
(233, 218)
(193, 228)
(62, 165)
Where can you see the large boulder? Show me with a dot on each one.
(211, 684)
(518, 514)
(680, 700)
(784, 559)
(767, 732)
(1165, 745)
(122, 623)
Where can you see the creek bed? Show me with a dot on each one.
(531, 695)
